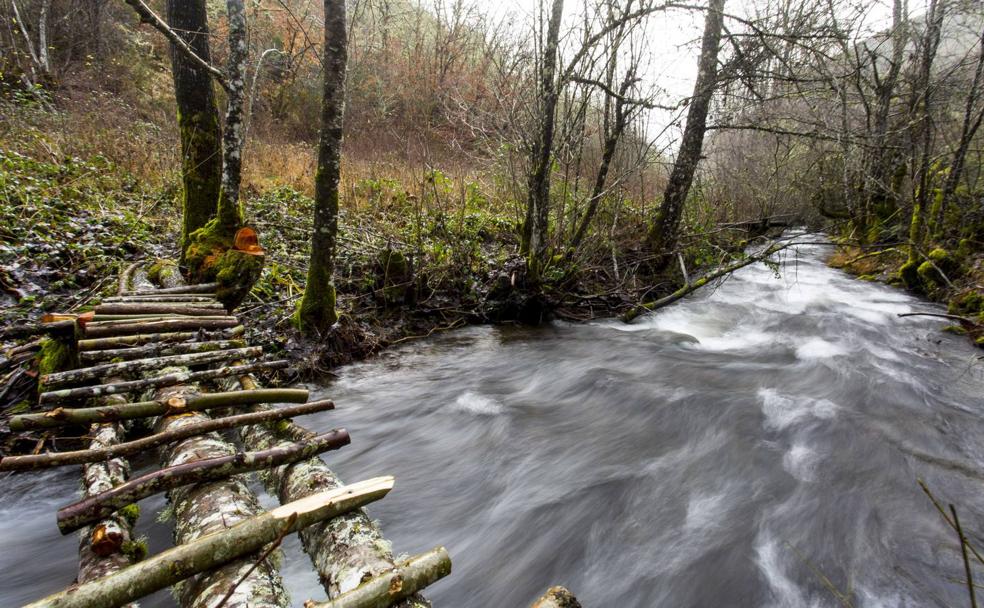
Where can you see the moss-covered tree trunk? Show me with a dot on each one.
(230, 217)
(536, 226)
(198, 116)
(317, 309)
(663, 236)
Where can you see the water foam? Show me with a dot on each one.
(782, 411)
(473, 403)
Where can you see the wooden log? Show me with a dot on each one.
(85, 374)
(345, 550)
(191, 308)
(178, 377)
(100, 544)
(207, 508)
(57, 459)
(92, 509)
(164, 299)
(213, 550)
(389, 588)
(141, 339)
(135, 318)
(106, 329)
(557, 597)
(159, 349)
(146, 409)
(182, 290)
(64, 327)
(679, 294)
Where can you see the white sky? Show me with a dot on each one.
(673, 40)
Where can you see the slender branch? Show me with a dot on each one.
(149, 16)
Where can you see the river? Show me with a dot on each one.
(757, 444)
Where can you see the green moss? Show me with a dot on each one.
(944, 261)
(968, 303)
(135, 550)
(316, 310)
(55, 355)
(130, 513)
(909, 274)
(210, 257)
(867, 277)
(955, 329)
(20, 407)
(928, 273)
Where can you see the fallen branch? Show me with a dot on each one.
(99, 390)
(92, 509)
(631, 315)
(213, 550)
(389, 588)
(198, 309)
(966, 322)
(344, 550)
(209, 288)
(147, 409)
(141, 339)
(160, 349)
(78, 376)
(58, 459)
(177, 404)
(163, 299)
(106, 329)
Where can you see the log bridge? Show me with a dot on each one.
(169, 359)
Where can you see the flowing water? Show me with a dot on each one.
(755, 445)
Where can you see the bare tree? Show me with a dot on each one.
(198, 116)
(317, 308)
(663, 235)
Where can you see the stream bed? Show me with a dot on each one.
(757, 444)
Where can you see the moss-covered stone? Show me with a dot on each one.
(909, 274)
(944, 261)
(867, 277)
(967, 303)
(929, 274)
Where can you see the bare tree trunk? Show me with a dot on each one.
(229, 213)
(535, 227)
(200, 510)
(317, 308)
(663, 235)
(921, 111)
(198, 116)
(968, 129)
(881, 197)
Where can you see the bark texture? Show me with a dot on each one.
(534, 237)
(196, 471)
(198, 116)
(160, 349)
(317, 308)
(182, 290)
(200, 510)
(168, 379)
(106, 329)
(106, 452)
(140, 339)
(391, 587)
(85, 374)
(100, 544)
(663, 236)
(205, 555)
(146, 409)
(347, 550)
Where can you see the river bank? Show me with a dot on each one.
(721, 451)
